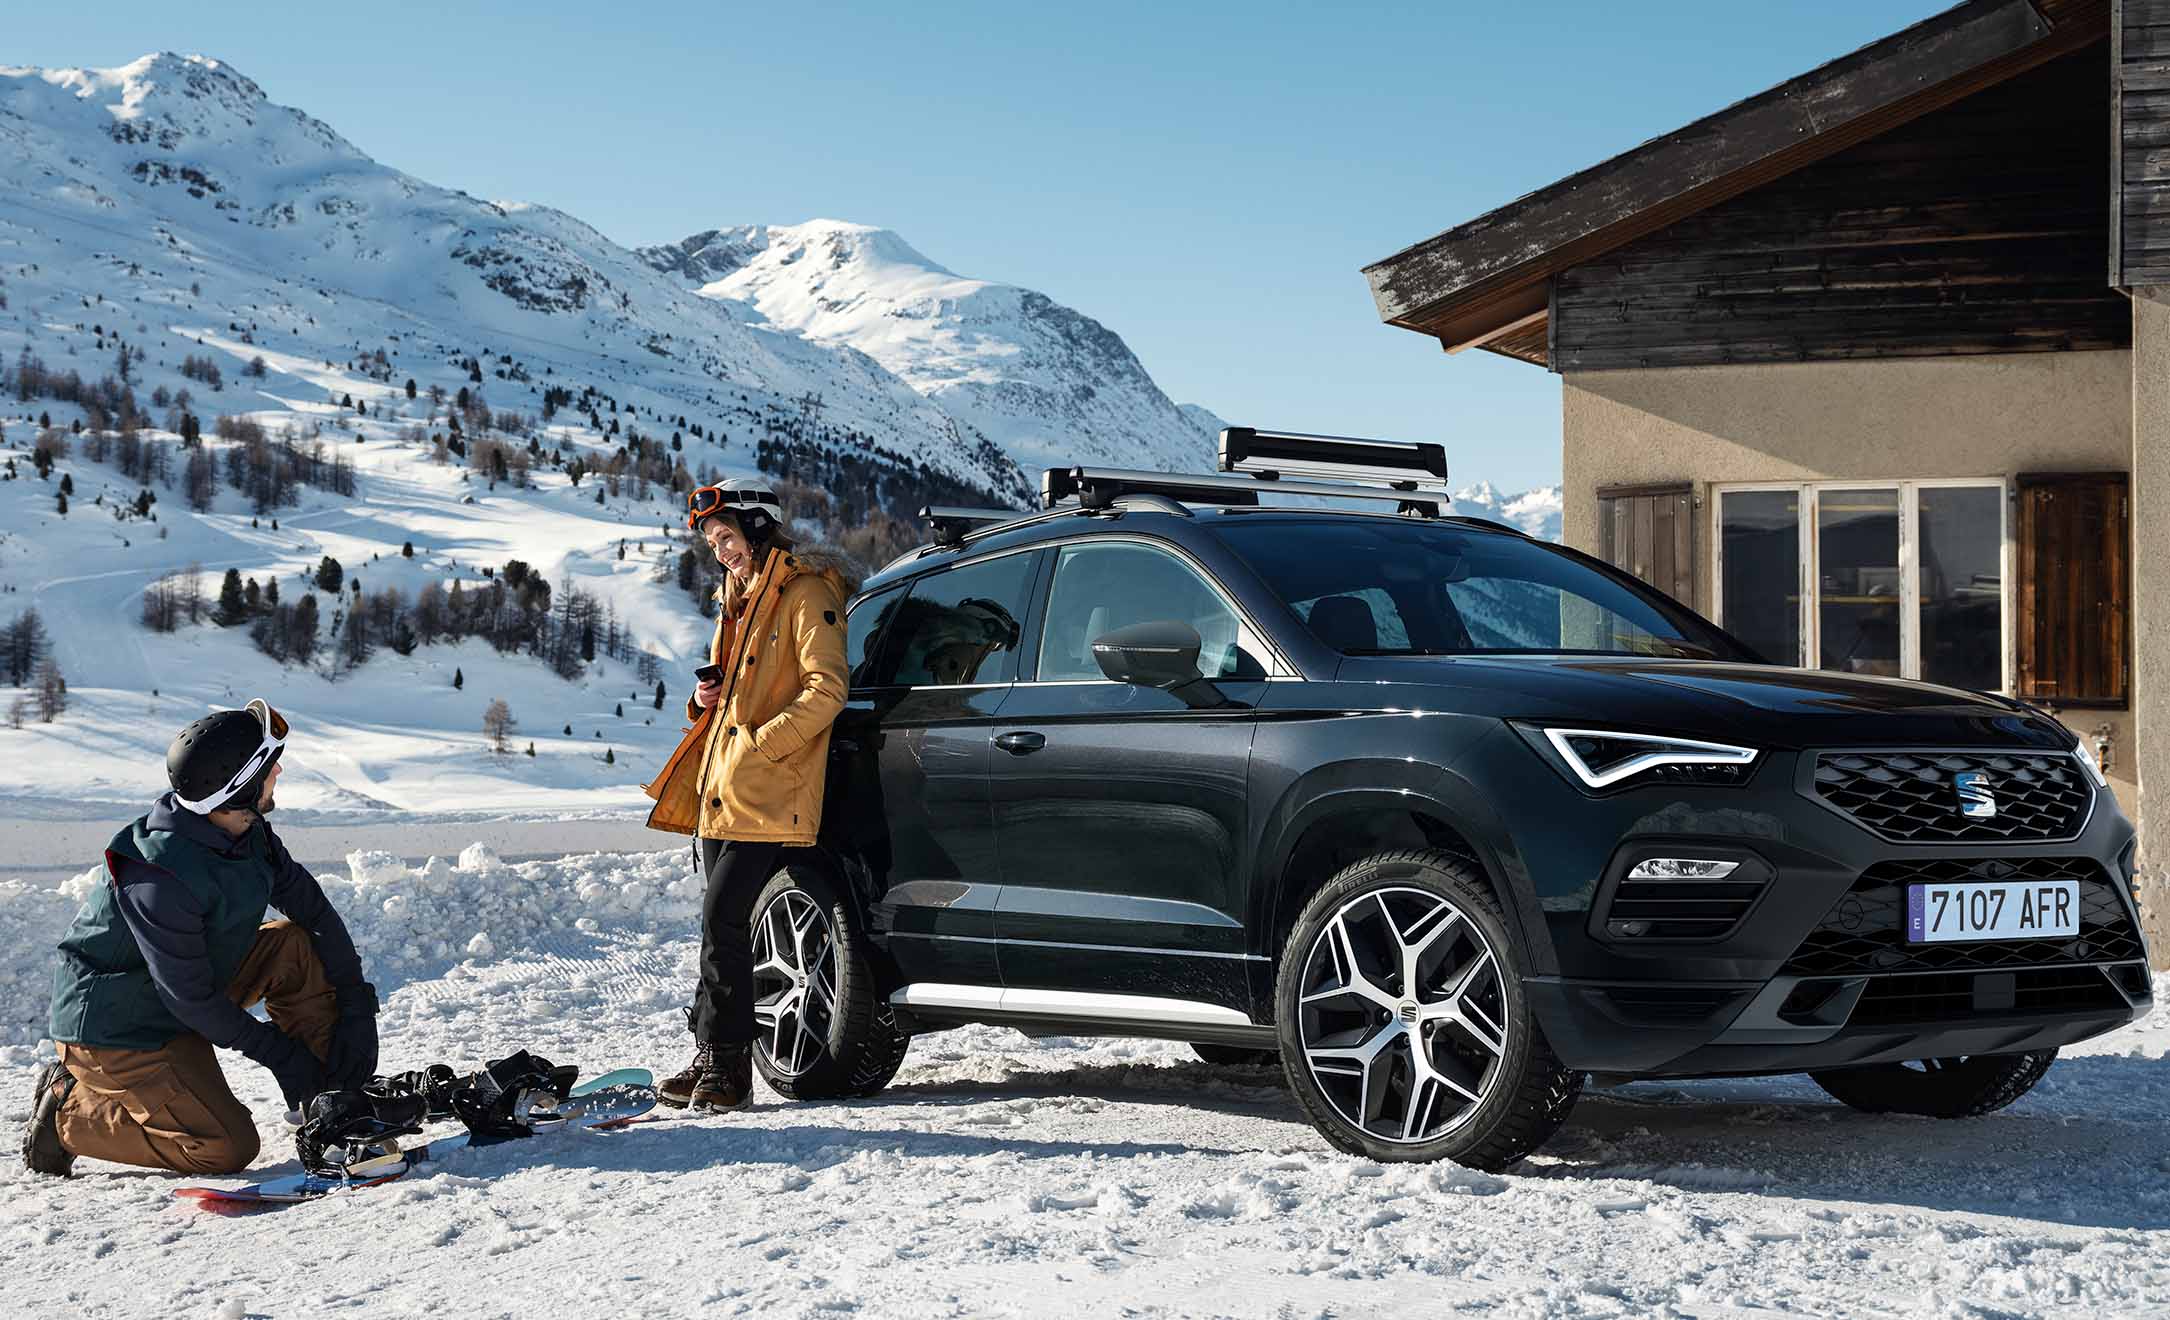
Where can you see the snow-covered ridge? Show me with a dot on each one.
(1049, 384)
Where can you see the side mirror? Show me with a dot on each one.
(1160, 654)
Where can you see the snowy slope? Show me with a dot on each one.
(1003, 1176)
(1534, 511)
(143, 181)
(1047, 383)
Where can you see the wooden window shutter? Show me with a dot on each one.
(2074, 599)
(1650, 532)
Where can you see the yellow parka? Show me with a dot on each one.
(752, 767)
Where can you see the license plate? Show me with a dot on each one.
(2009, 911)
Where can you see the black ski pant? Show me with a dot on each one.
(723, 1005)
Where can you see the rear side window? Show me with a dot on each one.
(864, 633)
(959, 626)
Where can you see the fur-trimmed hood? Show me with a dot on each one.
(819, 560)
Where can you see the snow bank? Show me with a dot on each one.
(410, 922)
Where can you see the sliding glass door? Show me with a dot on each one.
(1903, 579)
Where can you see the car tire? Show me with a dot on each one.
(1352, 1030)
(823, 1029)
(1235, 1056)
(1965, 1087)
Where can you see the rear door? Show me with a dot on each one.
(1121, 815)
(932, 664)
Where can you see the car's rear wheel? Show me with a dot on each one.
(1964, 1087)
(1404, 1028)
(1235, 1056)
(824, 1030)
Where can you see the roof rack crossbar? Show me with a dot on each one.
(1273, 455)
(950, 523)
(1097, 488)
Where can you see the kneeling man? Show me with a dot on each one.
(169, 953)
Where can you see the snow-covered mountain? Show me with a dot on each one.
(1534, 511)
(172, 185)
(1047, 383)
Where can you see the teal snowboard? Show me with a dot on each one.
(611, 1100)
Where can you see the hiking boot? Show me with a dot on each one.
(677, 1090)
(728, 1082)
(42, 1150)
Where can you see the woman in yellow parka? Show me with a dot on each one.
(747, 779)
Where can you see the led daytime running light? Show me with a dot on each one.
(1662, 750)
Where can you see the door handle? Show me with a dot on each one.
(1021, 744)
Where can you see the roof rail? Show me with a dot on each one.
(1269, 455)
(950, 523)
(1098, 488)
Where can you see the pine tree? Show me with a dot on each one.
(531, 749)
(608, 758)
(621, 710)
(329, 574)
(410, 387)
(233, 605)
(459, 680)
(301, 641)
(63, 508)
(406, 549)
(67, 484)
(659, 694)
(568, 730)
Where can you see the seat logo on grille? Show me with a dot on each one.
(1976, 797)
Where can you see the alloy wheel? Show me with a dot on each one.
(1402, 1015)
(794, 981)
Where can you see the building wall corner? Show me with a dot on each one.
(2151, 605)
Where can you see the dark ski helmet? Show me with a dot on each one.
(224, 756)
(752, 504)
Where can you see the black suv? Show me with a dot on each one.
(1449, 817)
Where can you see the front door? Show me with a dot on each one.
(1121, 815)
(932, 663)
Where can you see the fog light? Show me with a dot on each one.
(1682, 868)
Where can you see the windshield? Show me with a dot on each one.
(1370, 586)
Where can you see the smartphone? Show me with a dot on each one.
(709, 674)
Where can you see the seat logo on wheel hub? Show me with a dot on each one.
(1409, 1012)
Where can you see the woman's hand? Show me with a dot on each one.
(707, 694)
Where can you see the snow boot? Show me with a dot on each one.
(42, 1150)
(728, 1083)
(677, 1089)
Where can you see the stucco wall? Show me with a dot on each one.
(1992, 416)
(2151, 601)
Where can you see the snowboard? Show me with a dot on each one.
(611, 1100)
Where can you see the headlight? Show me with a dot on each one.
(2086, 757)
(1601, 758)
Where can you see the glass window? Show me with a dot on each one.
(960, 625)
(1962, 586)
(1858, 581)
(863, 633)
(1760, 532)
(1102, 587)
(1399, 586)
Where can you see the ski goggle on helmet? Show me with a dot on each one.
(757, 506)
(198, 760)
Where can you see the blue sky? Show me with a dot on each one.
(1206, 179)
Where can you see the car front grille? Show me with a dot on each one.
(1913, 797)
(1865, 931)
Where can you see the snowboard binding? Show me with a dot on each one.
(506, 1097)
(346, 1127)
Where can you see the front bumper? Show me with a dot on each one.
(1815, 972)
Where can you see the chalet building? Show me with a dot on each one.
(1874, 368)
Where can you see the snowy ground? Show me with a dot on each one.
(1004, 1176)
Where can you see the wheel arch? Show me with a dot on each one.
(1316, 834)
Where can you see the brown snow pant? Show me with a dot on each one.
(170, 1108)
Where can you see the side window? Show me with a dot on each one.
(1099, 588)
(960, 625)
(864, 632)
(1366, 619)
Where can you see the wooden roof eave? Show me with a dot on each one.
(1466, 285)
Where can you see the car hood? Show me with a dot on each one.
(1765, 704)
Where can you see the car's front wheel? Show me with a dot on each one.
(1404, 1028)
(824, 1031)
(1938, 1088)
